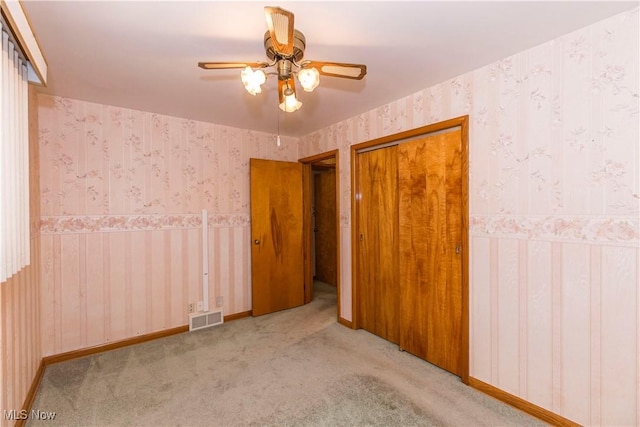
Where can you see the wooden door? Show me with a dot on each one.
(377, 255)
(325, 226)
(277, 257)
(430, 205)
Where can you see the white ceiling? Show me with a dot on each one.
(143, 54)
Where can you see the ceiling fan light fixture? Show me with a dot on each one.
(252, 80)
(290, 103)
(309, 79)
(287, 95)
(285, 46)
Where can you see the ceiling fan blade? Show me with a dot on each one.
(280, 23)
(230, 65)
(337, 69)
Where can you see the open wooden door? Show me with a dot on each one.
(277, 247)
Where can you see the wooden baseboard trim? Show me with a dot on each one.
(237, 316)
(345, 322)
(523, 405)
(31, 394)
(88, 351)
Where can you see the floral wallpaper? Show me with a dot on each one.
(554, 208)
(104, 160)
(122, 194)
(602, 230)
(524, 129)
(102, 223)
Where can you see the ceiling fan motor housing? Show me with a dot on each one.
(299, 43)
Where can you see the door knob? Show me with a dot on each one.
(457, 249)
(256, 242)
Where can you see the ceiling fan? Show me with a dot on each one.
(284, 46)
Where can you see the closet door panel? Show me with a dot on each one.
(430, 238)
(377, 211)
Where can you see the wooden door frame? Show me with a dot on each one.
(307, 188)
(398, 138)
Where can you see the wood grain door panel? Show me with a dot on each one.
(377, 263)
(430, 235)
(277, 257)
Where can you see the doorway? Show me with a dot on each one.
(283, 249)
(322, 226)
(323, 211)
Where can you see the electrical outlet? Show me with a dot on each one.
(219, 302)
(190, 307)
(200, 306)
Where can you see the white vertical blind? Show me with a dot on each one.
(14, 159)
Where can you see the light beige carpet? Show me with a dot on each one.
(297, 367)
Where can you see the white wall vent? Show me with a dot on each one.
(204, 320)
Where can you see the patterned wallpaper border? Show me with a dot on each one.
(622, 230)
(108, 223)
